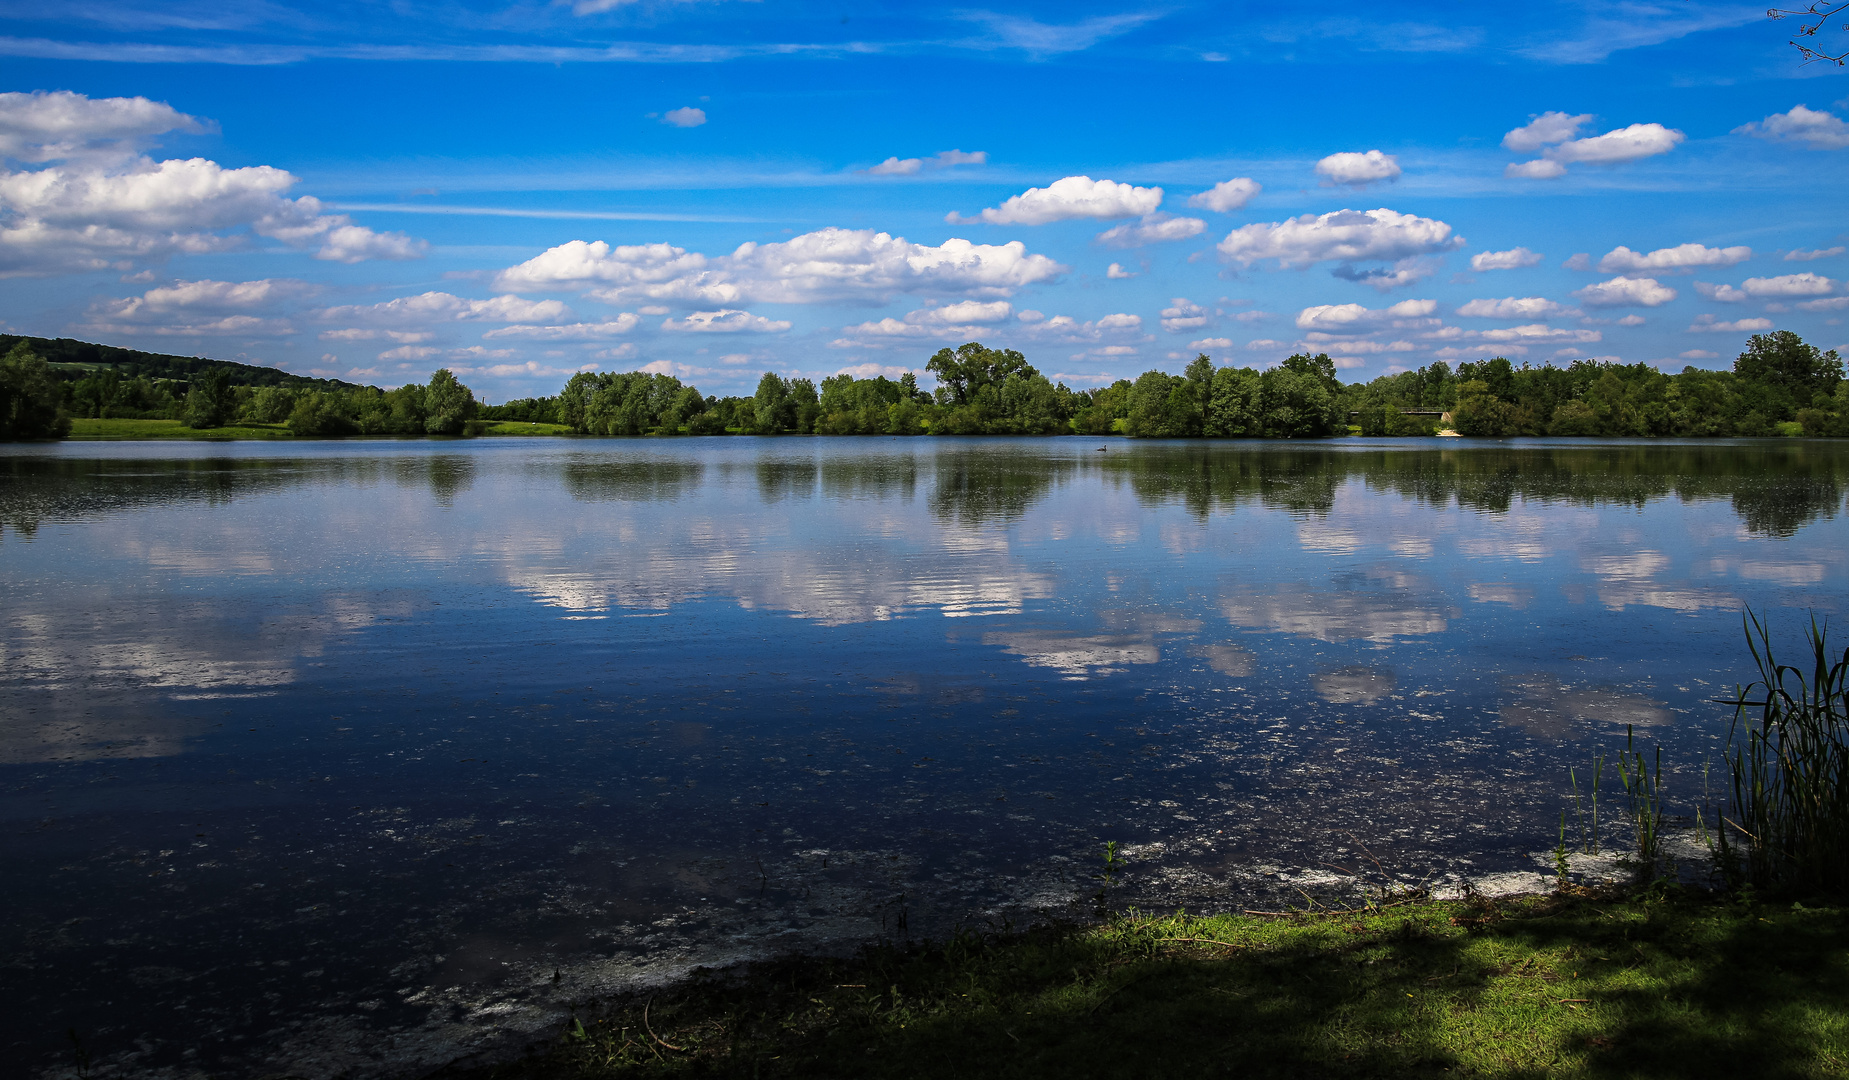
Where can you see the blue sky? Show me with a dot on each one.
(715, 188)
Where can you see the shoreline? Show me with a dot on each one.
(1573, 982)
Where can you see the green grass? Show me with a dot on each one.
(520, 427)
(171, 429)
(1667, 986)
(88, 428)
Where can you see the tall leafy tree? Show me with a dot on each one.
(1784, 360)
(209, 401)
(773, 408)
(31, 404)
(448, 404)
(963, 372)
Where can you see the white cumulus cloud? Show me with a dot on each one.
(1512, 259)
(684, 117)
(1227, 195)
(1534, 333)
(1545, 130)
(1725, 294)
(1363, 348)
(429, 307)
(1152, 229)
(819, 267)
(1818, 129)
(1515, 307)
(1622, 260)
(53, 124)
(186, 308)
(726, 321)
(968, 311)
(1358, 169)
(90, 210)
(1708, 323)
(406, 337)
(1348, 235)
(622, 324)
(221, 294)
(1069, 198)
(357, 243)
(1626, 292)
(898, 166)
(1355, 319)
(940, 324)
(1618, 145)
(1538, 169)
(1615, 147)
(1116, 272)
(1183, 315)
(1407, 271)
(1789, 285)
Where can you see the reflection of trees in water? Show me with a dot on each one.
(989, 485)
(446, 475)
(35, 490)
(870, 477)
(786, 479)
(1784, 506)
(1205, 478)
(644, 480)
(1775, 489)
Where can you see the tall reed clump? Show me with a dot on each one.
(1788, 755)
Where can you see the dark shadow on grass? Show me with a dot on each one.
(1680, 986)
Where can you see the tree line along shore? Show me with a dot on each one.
(1779, 385)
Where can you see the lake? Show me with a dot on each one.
(353, 757)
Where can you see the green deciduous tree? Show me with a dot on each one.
(448, 405)
(773, 409)
(31, 403)
(963, 372)
(269, 405)
(1297, 405)
(321, 415)
(1236, 406)
(1782, 359)
(209, 401)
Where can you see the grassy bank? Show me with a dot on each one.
(1670, 984)
(516, 427)
(92, 428)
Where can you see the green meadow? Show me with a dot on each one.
(1663, 983)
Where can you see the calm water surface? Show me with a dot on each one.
(338, 758)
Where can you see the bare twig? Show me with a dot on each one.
(651, 1031)
(1208, 941)
(1821, 13)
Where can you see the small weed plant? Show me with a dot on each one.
(1643, 790)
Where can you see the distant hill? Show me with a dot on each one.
(71, 360)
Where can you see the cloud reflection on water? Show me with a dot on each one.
(1548, 709)
(1333, 616)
